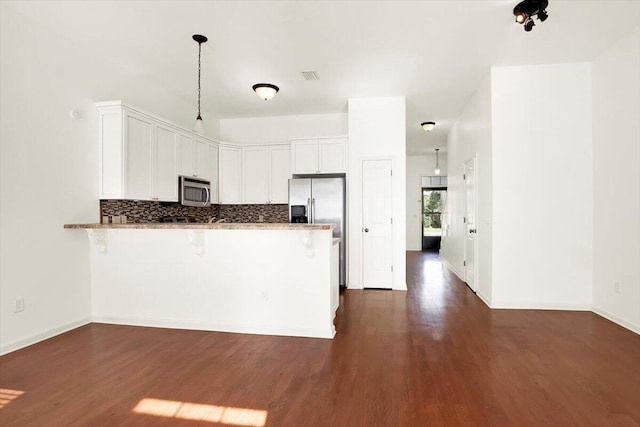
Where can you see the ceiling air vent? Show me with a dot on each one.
(310, 75)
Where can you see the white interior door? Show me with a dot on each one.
(376, 224)
(470, 201)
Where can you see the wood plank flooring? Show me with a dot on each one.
(432, 356)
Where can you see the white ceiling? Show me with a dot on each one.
(435, 53)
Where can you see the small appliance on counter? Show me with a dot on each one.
(299, 214)
(194, 191)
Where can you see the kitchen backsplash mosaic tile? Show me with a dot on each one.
(251, 213)
(147, 211)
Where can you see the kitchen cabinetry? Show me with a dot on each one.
(230, 183)
(142, 155)
(325, 155)
(255, 175)
(137, 155)
(279, 174)
(196, 158)
(166, 165)
(265, 174)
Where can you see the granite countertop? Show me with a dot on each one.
(206, 226)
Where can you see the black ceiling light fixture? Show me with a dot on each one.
(527, 9)
(199, 125)
(265, 91)
(428, 126)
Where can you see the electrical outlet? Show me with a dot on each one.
(260, 218)
(616, 287)
(18, 305)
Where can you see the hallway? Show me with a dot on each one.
(432, 356)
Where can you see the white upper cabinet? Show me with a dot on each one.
(142, 155)
(204, 165)
(264, 174)
(214, 153)
(138, 149)
(187, 165)
(325, 155)
(332, 155)
(304, 156)
(166, 163)
(255, 174)
(230, 183)
(279, 174)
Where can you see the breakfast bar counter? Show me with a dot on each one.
(205, 226)
(276, 279)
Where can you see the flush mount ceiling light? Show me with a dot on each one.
(437, 170)
(428, 126)
(527, 9)
(265, 91)
(199, 125)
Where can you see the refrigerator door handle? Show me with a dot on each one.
(313, 210)
(309, 209)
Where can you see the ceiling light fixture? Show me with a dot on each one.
(199, 124)
(437, 170)
(265, 91)
(527, 9)
(428, 126)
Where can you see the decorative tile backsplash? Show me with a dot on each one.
(251, 213)
(147, 211)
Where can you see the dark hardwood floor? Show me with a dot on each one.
(432, 356)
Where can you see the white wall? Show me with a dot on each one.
(48, 173)
(417, 167)
(616, 181)
(267, 130)
(542, 186)
(470, 135)
(377, 130)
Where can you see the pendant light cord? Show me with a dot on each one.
(199, 55)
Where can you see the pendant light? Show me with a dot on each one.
(199, 125)
(265, 91)
(437, 170)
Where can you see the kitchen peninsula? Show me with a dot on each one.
(276, 279)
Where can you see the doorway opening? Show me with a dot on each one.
(433, 200)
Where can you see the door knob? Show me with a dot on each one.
(366, 230)
(473, 230)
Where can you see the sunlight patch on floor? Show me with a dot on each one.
(202, 412)
(7, 396)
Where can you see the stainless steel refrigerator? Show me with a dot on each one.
(324, 201)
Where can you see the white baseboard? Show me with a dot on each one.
(327, 333)
(539, 306)
(615, 319)
(450, 266)
(19, 344)
(484, 299)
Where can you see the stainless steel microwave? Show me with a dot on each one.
(194, 191)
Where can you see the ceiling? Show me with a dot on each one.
(435, 53)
